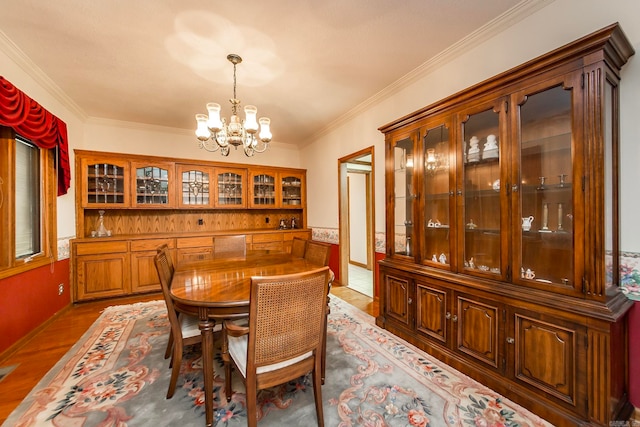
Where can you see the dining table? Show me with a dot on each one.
(218, 289)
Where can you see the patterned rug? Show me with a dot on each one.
(116, 375)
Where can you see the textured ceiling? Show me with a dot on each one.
(306, 63)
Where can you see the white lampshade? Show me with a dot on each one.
(250, 120)
(214, 123)
(265, 131)
(202, 131)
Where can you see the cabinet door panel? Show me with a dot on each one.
(401, 193)
(100, 276)
(144, 276)
(483, 211)
(478, 330)
(263, 191)
(231, 188)
(194, 186)
(153, 184)
(105, 183)
(292, 190)
(545, 217)
(437, 186)
(546, 356)
(432, 311)
(398, 299)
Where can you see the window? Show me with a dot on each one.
(27, 204)
(27, 199)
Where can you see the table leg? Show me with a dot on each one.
(206, 328)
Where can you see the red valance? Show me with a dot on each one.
(32, 121)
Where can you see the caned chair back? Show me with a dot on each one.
(318, 252)
(298, 247)
(165, 248)
(229, 246)
(286, 316)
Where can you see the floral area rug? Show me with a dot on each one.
(116, 375)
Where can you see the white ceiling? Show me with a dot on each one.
(305, 63)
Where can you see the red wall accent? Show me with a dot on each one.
(634, 355)
(27, 300)
(334, 261)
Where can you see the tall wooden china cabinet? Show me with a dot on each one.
(502, 232)
(129, 205)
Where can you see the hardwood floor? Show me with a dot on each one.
(37, 356)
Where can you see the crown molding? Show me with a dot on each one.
(497, 25)
(8, 47)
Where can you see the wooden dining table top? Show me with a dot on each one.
(227, 282)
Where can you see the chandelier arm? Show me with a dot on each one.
(209, 145)
(257, 150)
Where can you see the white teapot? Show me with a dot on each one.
(526, 223)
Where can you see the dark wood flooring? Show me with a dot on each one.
(37, 355)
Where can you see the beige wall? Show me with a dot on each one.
(559, 23)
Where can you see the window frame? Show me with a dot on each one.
(9, 264)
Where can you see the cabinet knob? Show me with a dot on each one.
(514, 188)
(451, 193)
(454, 318)
(409, 301)
(459, 192)
(510, 340)
(448, 315)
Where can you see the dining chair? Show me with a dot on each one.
(317, 252)
(229, 246)
(171, 268)
(184, 329)
(283, 340)
(298, 247)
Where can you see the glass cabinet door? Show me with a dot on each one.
(437, 196)
(195, 189)
(152, 185)
(403, 153)
(230, 188)
(105, 184)
(481, 185)
(262, 189)
(291, 190)
(544, 225)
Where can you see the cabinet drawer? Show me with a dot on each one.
(267, 237)
(186, 255)
(194, 242)
(150, 244)
(100, 248)
(272, 246)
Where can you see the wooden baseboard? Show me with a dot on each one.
(18, 344)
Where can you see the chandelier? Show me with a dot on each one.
(216, 134)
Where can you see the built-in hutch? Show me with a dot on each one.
(129, 205)
(502, 238)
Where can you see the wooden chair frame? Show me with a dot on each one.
(287, 315)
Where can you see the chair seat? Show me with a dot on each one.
(238, 351)
(190, 328)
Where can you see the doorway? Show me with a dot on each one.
(356, 221)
